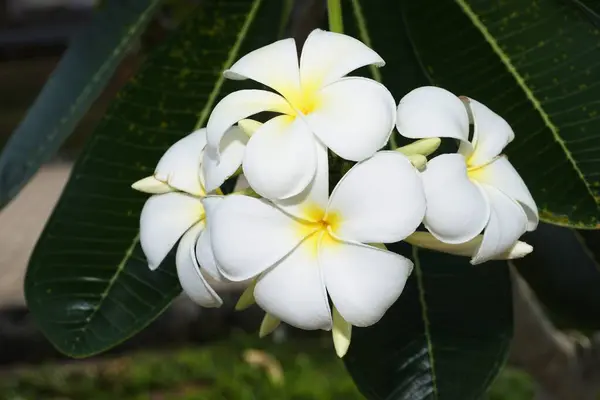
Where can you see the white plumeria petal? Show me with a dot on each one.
(249, 126)
(379, 200)
(310, 204)
(293, 290)
(502, 175)
(179, 167)
(492, 134)
(362, 281)
(468, 249)
(274, 65)
(218, 169)
(189, 273)
(164, 218)
(506, 225)
(457, 210)
(151, 185)
(354, 117)
(204, 250)
(280, 159)
(239, 105)
(430, 111)
(328, 56)
(250, 235)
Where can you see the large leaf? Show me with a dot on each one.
(78, 79)
(88, 284)
(445, 338)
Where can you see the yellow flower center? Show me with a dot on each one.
(305, 100)
(318, 231)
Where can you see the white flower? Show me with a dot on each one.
(313, 245)
(475, 189)
(352, 116)
(177, 211)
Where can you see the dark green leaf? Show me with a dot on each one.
(79, 78)
(445, 338)
(88, 284)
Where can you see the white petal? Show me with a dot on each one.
(180, 165)
(280, 159)
(249, 126)
(467, 249)
(151, 185)
(379, 200)
(502, 175)
(188, 270)
(239, 105)
(250, 235)
(217, 169)
(204, 251)
(342, 334)
(328, 56)
(362, 281)
(294, 291)
(310, 204)
(507, 223)
(274, 65)
(354, 117)
(492, 134)
(457, 210)
(164, 218)
(430, 111)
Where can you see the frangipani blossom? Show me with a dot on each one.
(352, 116)
(308, 247)
(474, 189)
(177, 212)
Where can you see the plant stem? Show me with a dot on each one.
(334, 10)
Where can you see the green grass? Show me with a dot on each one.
(309, 371)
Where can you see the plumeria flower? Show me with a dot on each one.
(176, 211)
(313, 245)
(352, 116)
(475, 189)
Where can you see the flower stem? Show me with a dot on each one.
(334, 10)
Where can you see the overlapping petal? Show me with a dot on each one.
(189, 273)
(492, 134)
(280, 159)
(204, 251)
(354, 117)
(362, 281)
(164, 219)
(250, 235)
(328, 56)
(379, 200)
(502, 175)
(430, 111)
(506, 225)
(456, 208)
(294, 290)
(217, 169)
(179, 167)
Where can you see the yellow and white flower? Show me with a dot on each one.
(352, 116)
(313, 245)
(473, 190)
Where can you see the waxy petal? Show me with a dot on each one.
(274, 65)
(250, 235)
(492, 134)
(280, 159)
(502, 175)
(354, 117)
(204, 251)
(362, 281)
(379, 200)
(179, 167)
(164, 219)
(506, 225)
(293, 290)
(328, 56)
(239, 105)
(188, 270)
(429, 111)
(217, 170)
(456, 208)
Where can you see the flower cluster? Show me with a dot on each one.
(316, 259)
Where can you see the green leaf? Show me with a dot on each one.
(88, 284)
(445, 338)
(79, 78)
